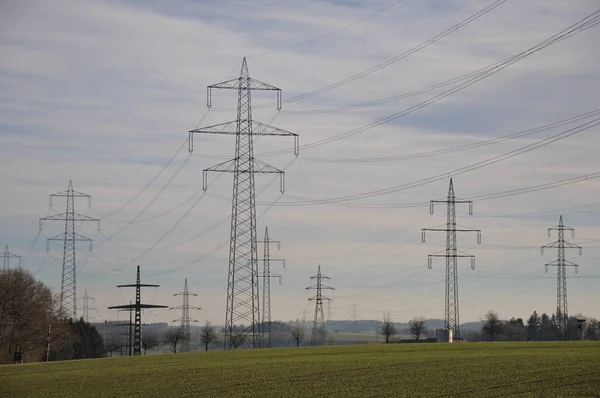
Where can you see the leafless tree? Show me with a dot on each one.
(387, 327)
(491, 324)
(56, 329)
(417, 327)
(297, 332)
(174, 336)
(149, 341)
(112, 346)
(208, 335)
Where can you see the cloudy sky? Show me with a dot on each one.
(104, 92)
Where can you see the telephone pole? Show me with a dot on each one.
(7, 256)
(319, 331)
(561, 281)
(86, 306)
(242, 285)
(185, 317)
(137, 331)
(266, 291)
(68, 286)
(452, 319)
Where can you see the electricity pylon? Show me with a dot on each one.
(319, 333)
(7, 256)
(86, 307)
(137, 330)
(185, 317)
(561, 280)
(68, 285)
(451, 318)
(266, 340)
(242, 285)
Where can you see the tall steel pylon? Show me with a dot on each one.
(242, 285)
(185, 317)
(451, 317)
(137, 307)
(68, 285)
(266, 340)
(7, 256)
(86, 307)
(319, 333)
(561, 263)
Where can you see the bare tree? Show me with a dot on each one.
(417, 327)
(387, 327)
(491, 324)
(208, 335)
(56, 327)
(112, 346)
(149, 341)
(174, 336)
(297, 332)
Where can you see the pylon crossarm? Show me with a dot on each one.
(74, 237)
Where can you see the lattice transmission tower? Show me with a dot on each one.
(68, 285)
(451, 254)
(561, 263)
(266, 327)
(243, 285)
(86, 307)
(319, 331)
(137, 307)
(7, 256)
(185, 317)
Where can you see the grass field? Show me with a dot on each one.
(375, 370)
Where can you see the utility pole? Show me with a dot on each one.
(561, 281)
(266, 291)
(129, 334)
(354, 312)
(68, 286)
(185, 317)
(242, 285)
(7, 256)
(137, 334)
(452, 320)
(319, 332)
(86, 306)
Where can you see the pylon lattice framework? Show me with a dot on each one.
(138, 306)
(242, 285)
(319, 333)
(86, 306)
(266, 340)
(7, 256)
(451, 254)
(561, 263)
(185, 317)
(68, 285)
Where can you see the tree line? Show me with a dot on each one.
(33, 327)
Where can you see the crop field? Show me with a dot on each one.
(370, 370)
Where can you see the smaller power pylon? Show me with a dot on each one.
(561, 263)
(68, 286)
(451, 254)
(86, 307)
(185, 317)
(137, 333)
(7, 256)
(266, 340)
(319, 333)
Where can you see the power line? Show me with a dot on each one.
(580, 26)
(331, 33)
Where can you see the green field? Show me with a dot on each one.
(373, 370)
